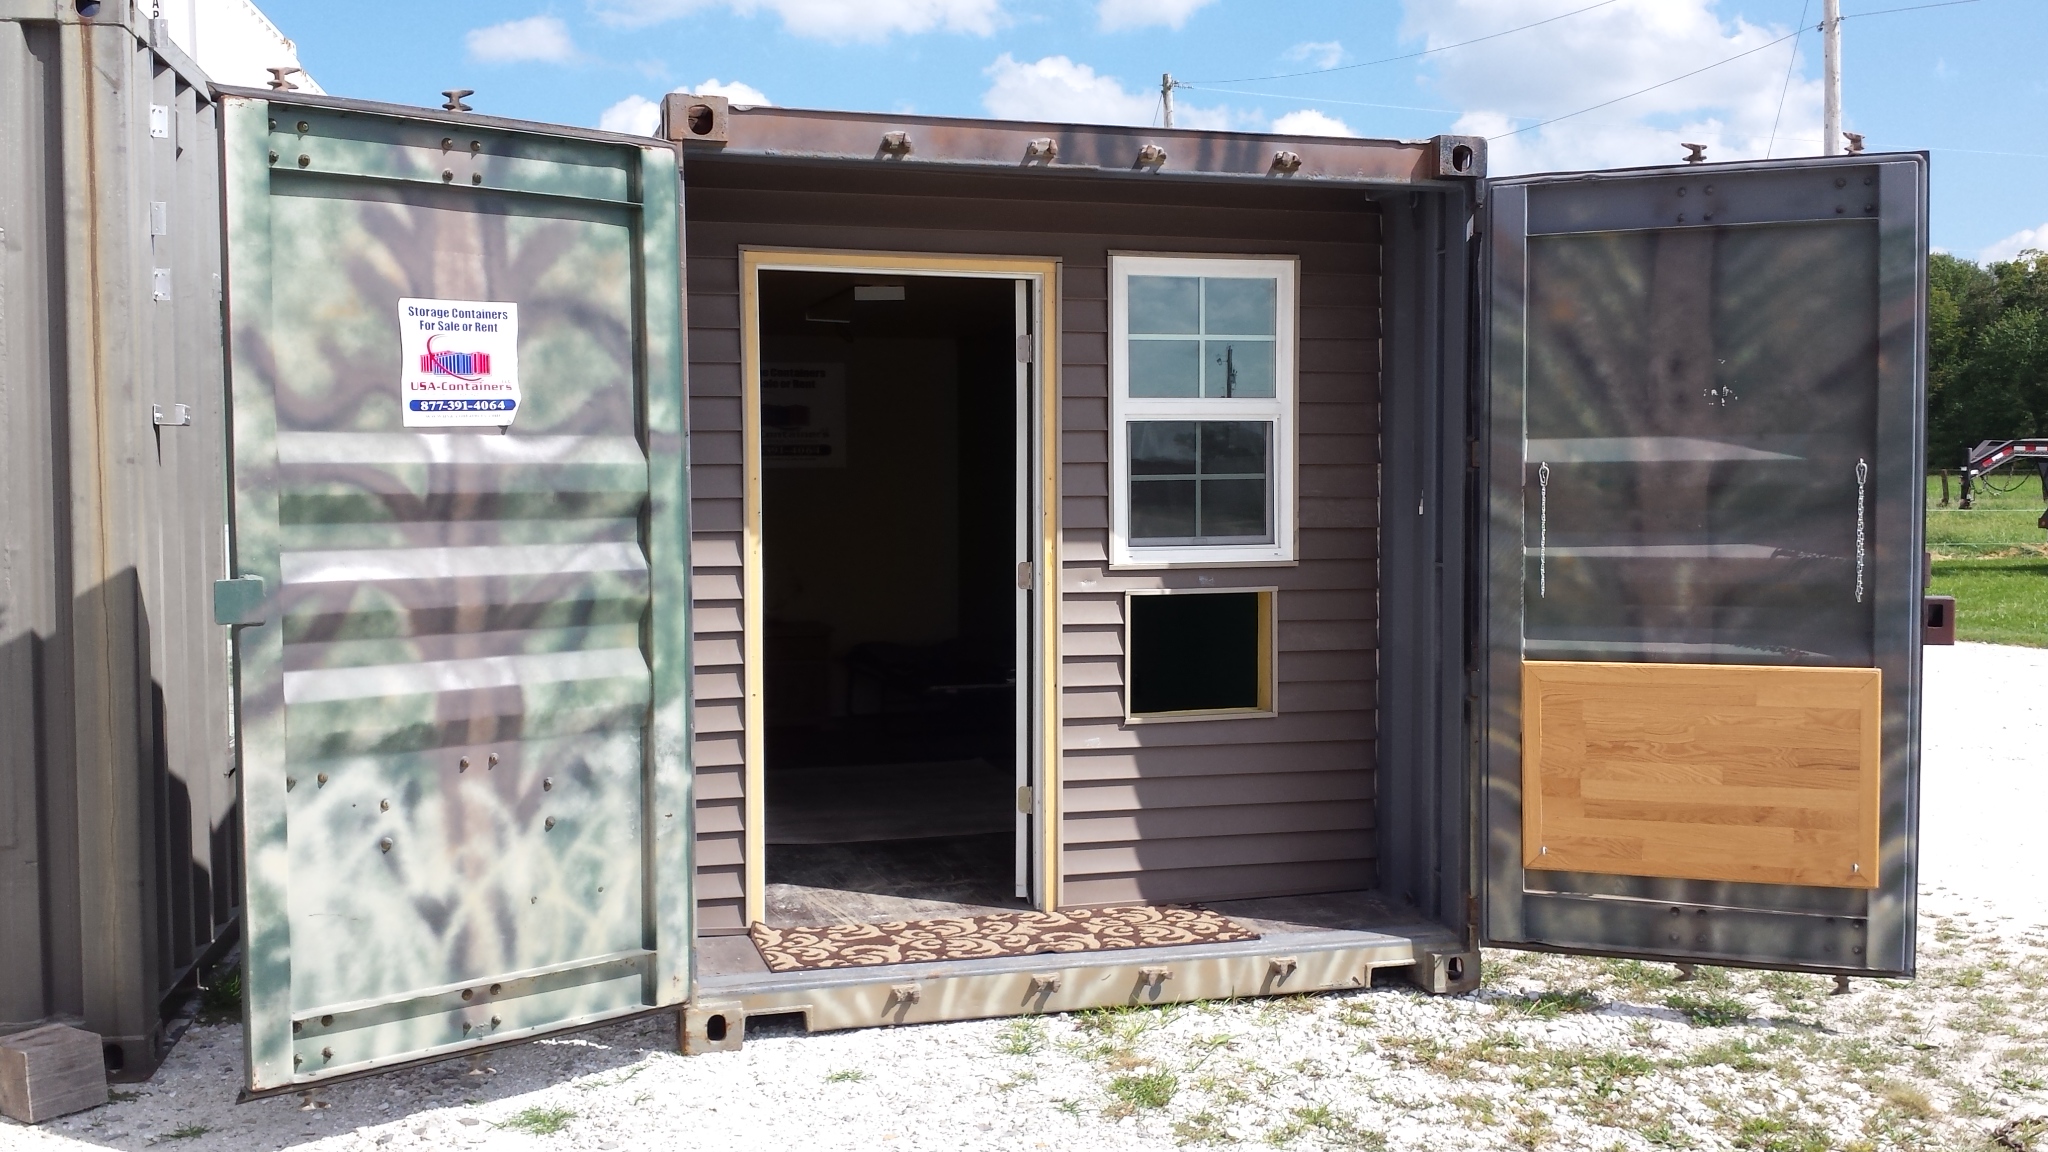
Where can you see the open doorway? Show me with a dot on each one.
(891, 413)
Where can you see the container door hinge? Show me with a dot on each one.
(1024, 573)
(1024, 799)
(179, 416)
(238, 601)
(1026, 348)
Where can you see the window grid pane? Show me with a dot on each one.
(1193, 479)
(1240, 315)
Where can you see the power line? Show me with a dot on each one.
(1795, 33)
(1314, 99)
(1651, 88)
(1416, 55)
(1787, 86)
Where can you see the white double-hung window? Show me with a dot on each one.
(1201, 410)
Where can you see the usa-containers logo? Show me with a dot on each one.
(460, 365)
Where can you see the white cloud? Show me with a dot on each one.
(1058, 89)
(1123, 15)
(736, 92)
(1318, 53)
(543, 38)
(1577, 62)
(2013, 245)
(836, 20)
(636, 115)
(1309, 122)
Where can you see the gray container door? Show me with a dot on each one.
(1700, 633)
(456, 357)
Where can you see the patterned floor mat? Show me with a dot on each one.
(978, 937)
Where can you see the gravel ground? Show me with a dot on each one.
(1550, 1053)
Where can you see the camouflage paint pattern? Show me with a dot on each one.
(464, 717)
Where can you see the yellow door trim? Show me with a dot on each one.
(1045, 272)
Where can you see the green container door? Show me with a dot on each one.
(456, 352)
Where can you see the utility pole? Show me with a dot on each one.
(1831, 77)
(1166, 87)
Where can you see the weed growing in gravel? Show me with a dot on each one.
(1662, 1133)
(1637, 978)
(1359, 1013)
(1532, 1128)
(188, 1132)
(1022, 1036)
(2014, 1080)
(220, 999)
(538, 1121)
(1070, 1107)
(1203, 1127)
(1708, 1011)
(1735, 1052)
(1134, 1090)
(1779, 1134)
(846, 1076)
(1551, 1005)
(1908, 1100)
(116, 1096)
(1334, 1128)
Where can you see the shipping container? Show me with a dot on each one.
(119, 874)
(878, 568)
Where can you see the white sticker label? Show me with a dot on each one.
(458, 363)
(803, 415)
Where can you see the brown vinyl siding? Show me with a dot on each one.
(1205, 810)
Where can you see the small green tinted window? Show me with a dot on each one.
(1199, 652)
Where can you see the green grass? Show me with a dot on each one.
(1145, 1090)
(540, 1121)
(846, 1076)
(2001, 600)
(1994, 560)
(1708, 1011)
(187, 1132)
(220, 998)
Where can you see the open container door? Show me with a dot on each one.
(456, 357)
(1701, 609)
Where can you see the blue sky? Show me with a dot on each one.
(1964, 80)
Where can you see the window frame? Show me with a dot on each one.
(1278, 409)
(1268, 657)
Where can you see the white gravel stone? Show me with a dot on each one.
(1552, 1052)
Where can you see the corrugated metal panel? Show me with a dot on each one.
(117, 814)
(1192, 794)
(465, 711)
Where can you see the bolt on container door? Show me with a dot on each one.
(456, 364)
(1706, 388)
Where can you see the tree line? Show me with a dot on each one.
(1987, 372)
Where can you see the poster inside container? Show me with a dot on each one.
(458, 363)
(803, 415)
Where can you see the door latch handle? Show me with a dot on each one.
(238, 601)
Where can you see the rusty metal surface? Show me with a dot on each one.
(1076, 149)
(464, 713)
